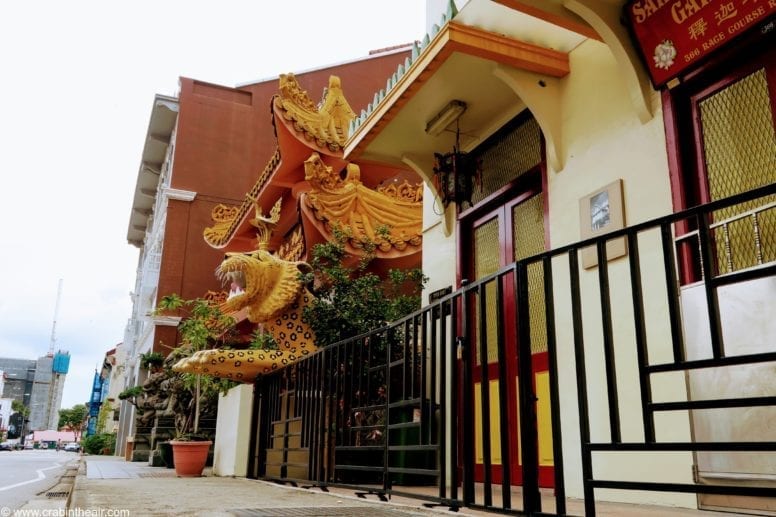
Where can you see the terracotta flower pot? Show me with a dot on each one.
(189, 457)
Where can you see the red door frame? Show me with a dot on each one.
(500, 205)
(684, 140)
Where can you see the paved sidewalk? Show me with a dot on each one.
(108, 486)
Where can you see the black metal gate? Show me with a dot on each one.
(393, 411)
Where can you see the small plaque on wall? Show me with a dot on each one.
(601, 212)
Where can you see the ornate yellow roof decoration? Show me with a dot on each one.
(391, 217)
(265, 225)
(223, 216)
(292, 248)
(228, 218)
(328, 124)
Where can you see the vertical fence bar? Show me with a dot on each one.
(758, 249)
(672, 291)
(285, 415)
(609, 357)
(426, 399)
(579, 358)
(406, 367)
(412, 345)
(532, 501)
(552, 359)
(503, 393)
(303, 385)
(314, 386)
(258, 441)
(640, 329)
(273, 402)
(322, 414)
(333, 410)
(332, 425)
(728, 249)
(712, 303)
(387, 411)
(466, 356)
(444, 447)
(347, 374)
(482, 342)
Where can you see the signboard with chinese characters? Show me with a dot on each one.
(675, 34)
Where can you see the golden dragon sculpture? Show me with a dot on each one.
(271, 292)
(274, 296)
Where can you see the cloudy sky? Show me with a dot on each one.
(78, 81)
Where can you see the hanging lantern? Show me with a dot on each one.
(455, 175)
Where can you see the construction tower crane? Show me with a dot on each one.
(54, 325)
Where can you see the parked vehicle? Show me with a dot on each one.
(73, 447)
(7, 446)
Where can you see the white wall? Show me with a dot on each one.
(233, 429)
(604, 140)
(438, 265)
(748, 327)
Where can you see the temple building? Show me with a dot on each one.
(597, 224)
(204, 148)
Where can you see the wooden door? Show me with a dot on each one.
(508, 232)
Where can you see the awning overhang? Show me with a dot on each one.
(498, 57)
(164, 116)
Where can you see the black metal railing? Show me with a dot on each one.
(411, 409)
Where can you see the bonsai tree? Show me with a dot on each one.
(203, 326)
(131, 394)
(151, 360)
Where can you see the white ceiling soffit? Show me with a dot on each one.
(515, 23)
(164, 115)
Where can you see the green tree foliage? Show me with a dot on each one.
(18, 407)
(203, 326)
(73, 418)
(105, 415)
(350, 299)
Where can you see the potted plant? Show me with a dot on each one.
(203, 326)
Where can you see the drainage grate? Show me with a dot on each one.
(57, 495)
(320, 511)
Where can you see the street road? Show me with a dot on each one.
(23, 474)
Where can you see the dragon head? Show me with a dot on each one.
(262, 282)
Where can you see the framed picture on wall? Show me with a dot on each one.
(601, 212)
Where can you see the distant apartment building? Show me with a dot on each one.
(38, 384)
(5, 409)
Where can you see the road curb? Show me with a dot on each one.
(58, 496)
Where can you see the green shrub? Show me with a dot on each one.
(104, 443)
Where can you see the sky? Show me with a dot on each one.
(77, 82)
